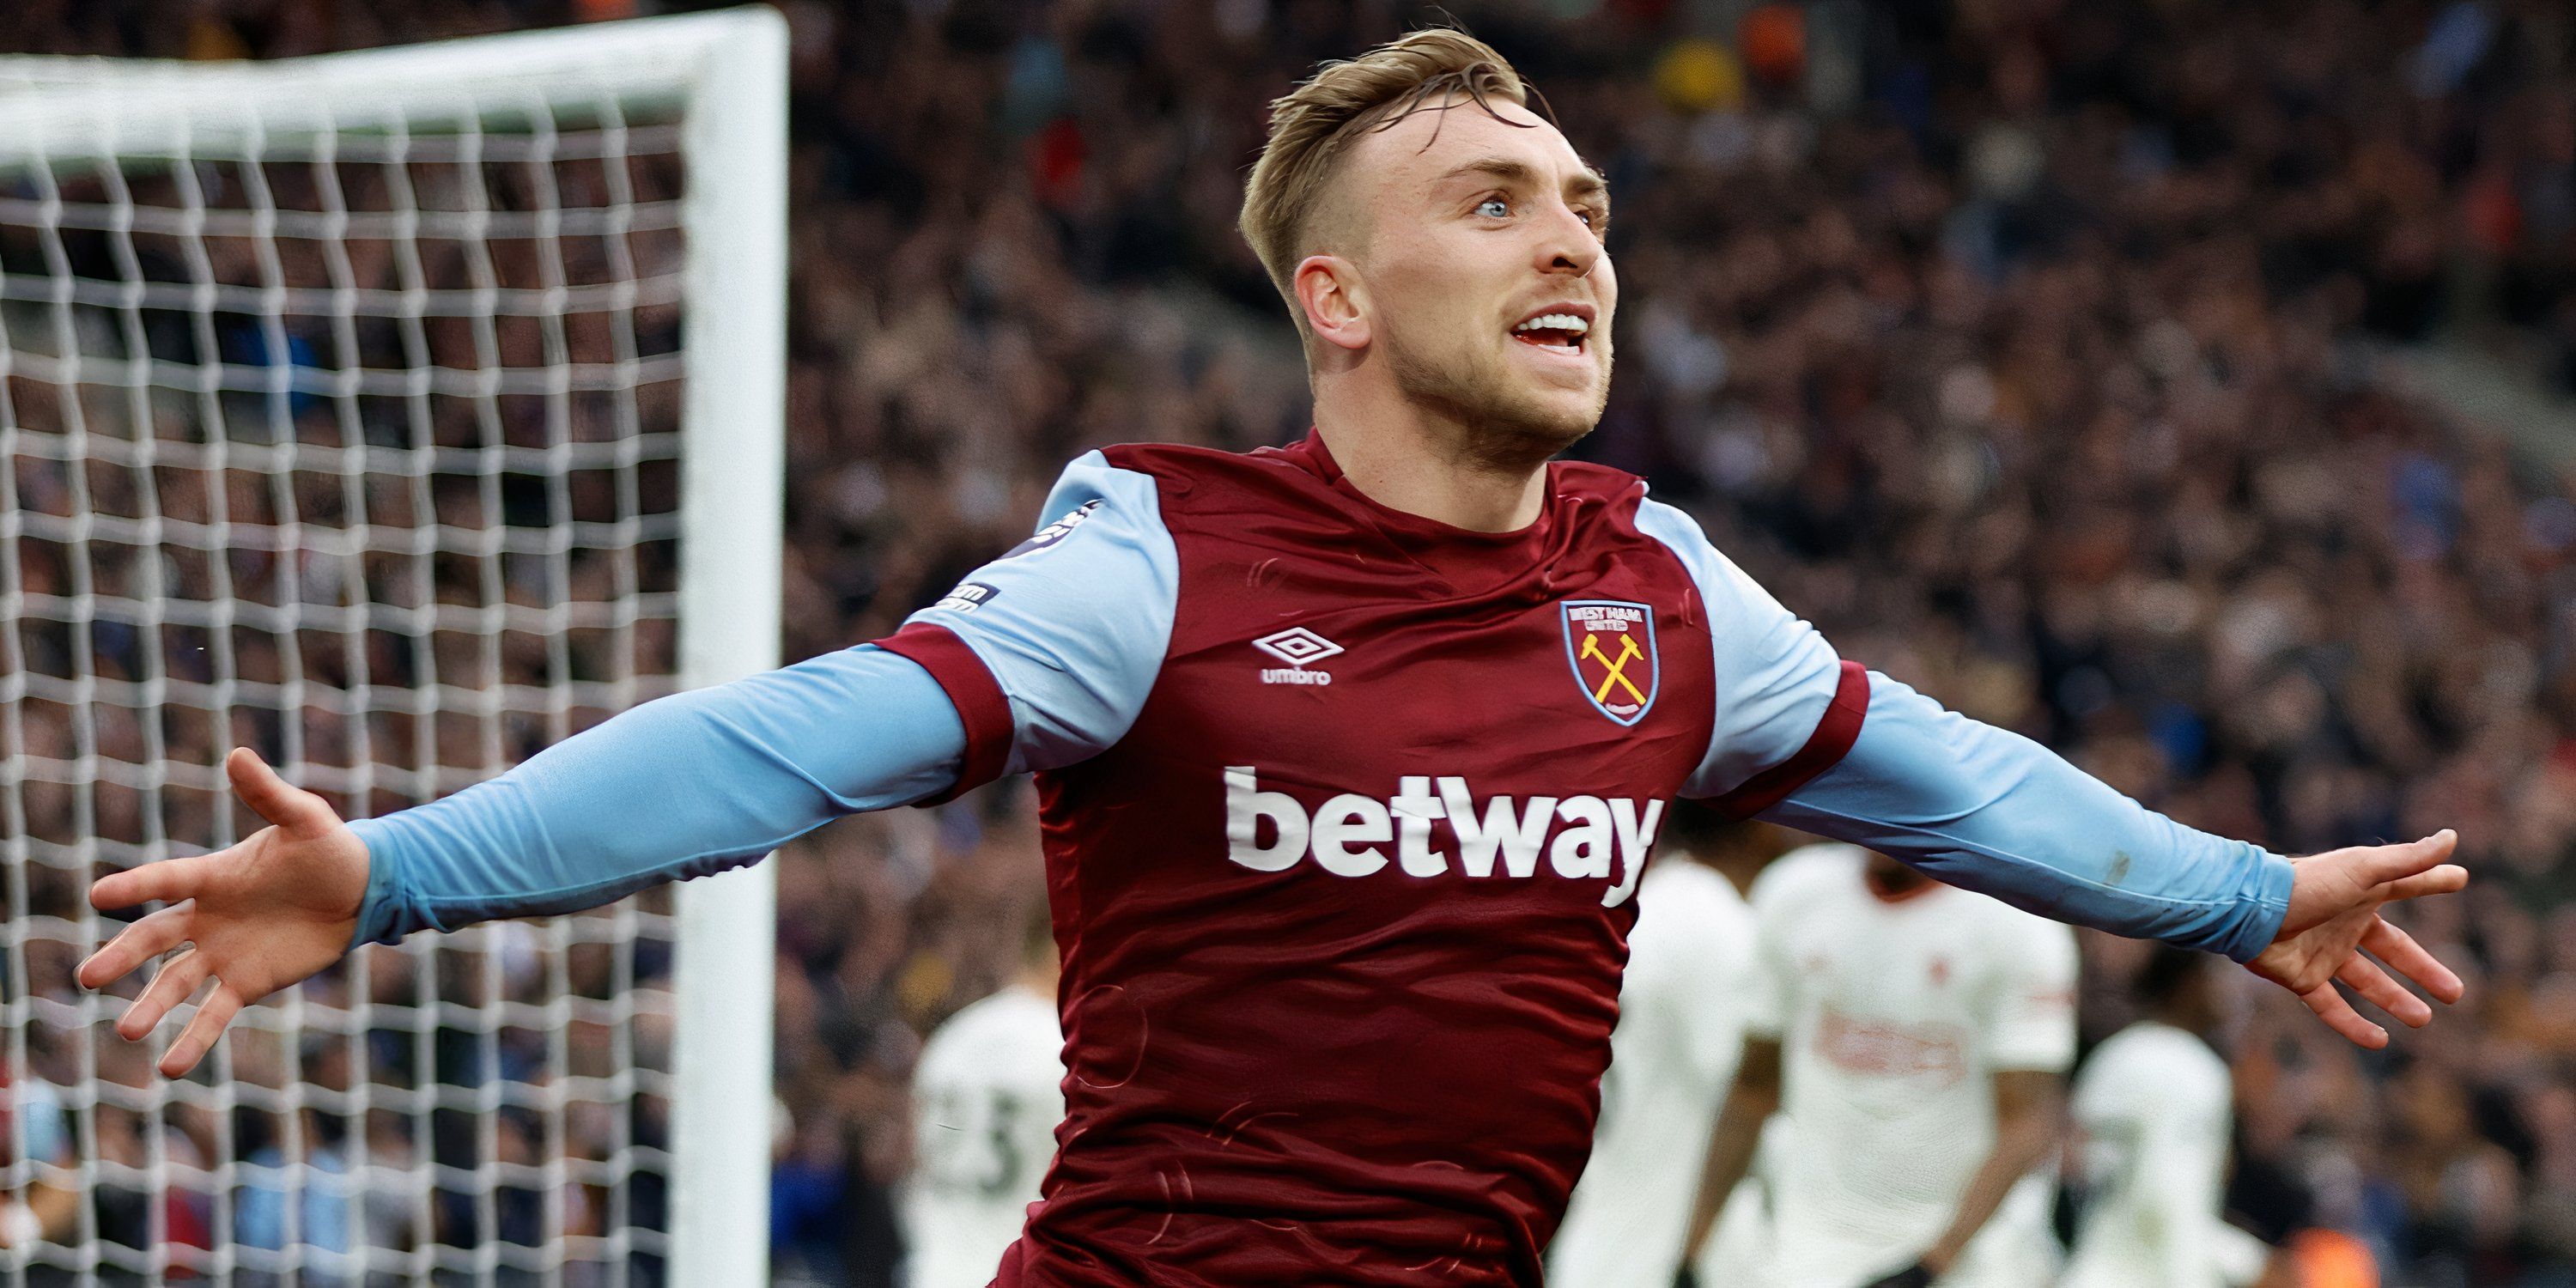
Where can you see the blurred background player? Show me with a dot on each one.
(34, 1124)
(1672, 1057)
(2153, 1110)
(1917, 1038)
(988, 1094)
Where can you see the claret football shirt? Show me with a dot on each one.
(1345, 816)
(1344, 809)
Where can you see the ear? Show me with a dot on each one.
(1335, 301)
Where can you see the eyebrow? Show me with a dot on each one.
(1586, 183)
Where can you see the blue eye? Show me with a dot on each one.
(1489, 204)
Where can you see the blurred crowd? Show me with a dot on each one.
(2031, 352)
(2034, 349)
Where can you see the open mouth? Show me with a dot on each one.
(1563, 333)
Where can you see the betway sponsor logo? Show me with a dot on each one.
(1580, 836)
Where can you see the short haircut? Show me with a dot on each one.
(1313, 125)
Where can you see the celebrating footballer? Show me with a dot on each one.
(1351, 756)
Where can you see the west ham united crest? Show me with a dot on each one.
(1611, 643)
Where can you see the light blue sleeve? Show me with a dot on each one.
(1073, 623)
(1988, 810)
(680, 787)
(43, 1134)
(1775, 674)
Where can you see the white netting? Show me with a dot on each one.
(357, 445)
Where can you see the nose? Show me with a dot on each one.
(1568, 246)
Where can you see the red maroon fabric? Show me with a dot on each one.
(980, 702)
(1293, 1077)
(1834, 736)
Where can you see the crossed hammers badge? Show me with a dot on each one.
(1617, 673)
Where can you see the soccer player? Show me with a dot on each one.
(2154, 1108)
(1916, 1038)
(1672, 1056)
(986, 1096)
(35, 1126)
(1349, 755)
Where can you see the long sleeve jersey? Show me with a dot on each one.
(1344, 812)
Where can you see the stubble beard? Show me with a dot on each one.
(1506, 429)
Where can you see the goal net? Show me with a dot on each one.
(394, 414)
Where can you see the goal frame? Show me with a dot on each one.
(729, 69)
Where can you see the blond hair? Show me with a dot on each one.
(1312, 125)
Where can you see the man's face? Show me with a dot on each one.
(1472, 231)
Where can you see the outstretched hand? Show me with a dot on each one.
(259, 916)
(2335, 899)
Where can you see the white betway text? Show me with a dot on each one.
(1347, 835)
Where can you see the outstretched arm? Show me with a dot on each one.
(1988, 810)
(685, 786)
(1039, 661)
(688, 785)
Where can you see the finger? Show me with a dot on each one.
(276, 800)
(2399, 950)
(2339, 1016)
(168, 881)
(135, 945)
(2367, 979)
(199, 1037)
(175, 983)
(2449, 878)
(2387, 863)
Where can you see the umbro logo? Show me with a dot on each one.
(1297, 647)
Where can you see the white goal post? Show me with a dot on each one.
(397, 412)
